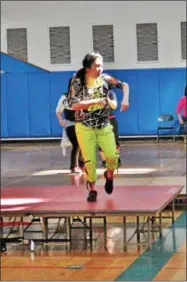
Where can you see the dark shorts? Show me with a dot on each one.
(185, 125)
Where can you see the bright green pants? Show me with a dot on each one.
(88, 140)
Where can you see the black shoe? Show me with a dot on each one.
(108, 184)
(92, 196)
(103, 164)
(119, 162)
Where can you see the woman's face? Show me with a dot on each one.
(96, 68)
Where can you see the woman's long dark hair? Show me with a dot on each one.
(81, 75)
(69, 83)
(185, 92)
(87, 63)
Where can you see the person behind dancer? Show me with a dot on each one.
(76, 162)
(88, 97)
(182, 106)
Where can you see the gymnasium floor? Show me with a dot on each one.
(144, 163)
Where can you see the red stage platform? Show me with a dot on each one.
(70, 201)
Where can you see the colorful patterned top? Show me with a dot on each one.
(96, 116)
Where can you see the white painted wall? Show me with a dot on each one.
(38, 16)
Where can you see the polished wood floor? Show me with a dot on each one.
(143, 163)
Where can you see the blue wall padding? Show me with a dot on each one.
(4, 125)
(11, 64)
(148, 101)
(39, 104)
(29, 99)
(17, 105)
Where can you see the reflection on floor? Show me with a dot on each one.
(142, 164)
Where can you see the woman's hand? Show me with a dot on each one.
(124, 106)
(62, 122)
(103, 102)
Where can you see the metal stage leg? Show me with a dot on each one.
(90, 233)
(124, 233)
(173, 212)
(138, 228)
(67, 227)
(85, 232)
(43, 221)
(105, 232)
(21, 229)
(160, 224)
(149, 233)
(174, 239)
(2, 241)
(70, 232)
(138, 232)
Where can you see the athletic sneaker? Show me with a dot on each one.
(76, 170)
(92, 195)
(109, 183)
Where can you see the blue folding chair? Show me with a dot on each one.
(166, 122)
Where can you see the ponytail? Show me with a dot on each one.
(81, 75)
